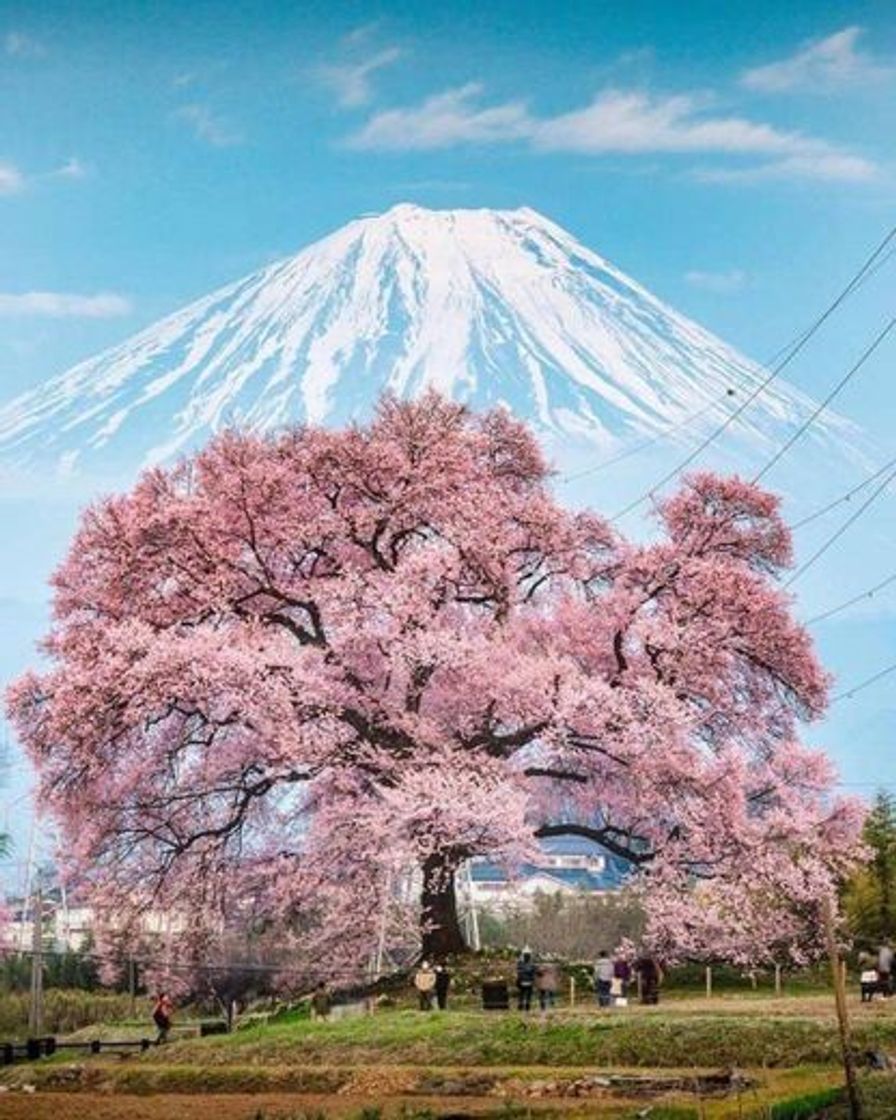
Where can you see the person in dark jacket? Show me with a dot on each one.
(321, 1002)
(622, 974)
(162, 1011)
(651, 977)
(443, 983)
(525, 980)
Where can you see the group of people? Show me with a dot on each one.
(536, 976)
(613, 977)
(876, 972)
(432, 983)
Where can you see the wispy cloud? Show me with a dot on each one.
(445, 120)
(615, 122)
(19, 45)
(721, 283)
(63, 305)
(831, 165)
(73, 168)
(820, 66)
(209, 127)
(351, 81)
(11, 179)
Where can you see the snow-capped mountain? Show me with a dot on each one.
(488, 306)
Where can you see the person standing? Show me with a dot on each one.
(885, 968)
(425, 982)
(162, 1012)
(603, 978)
(525, 980)
(443, 983)
(622, 975)
(547, 980)
(651, 977)
(321, 1003)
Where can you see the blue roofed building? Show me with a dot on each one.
(569, 866)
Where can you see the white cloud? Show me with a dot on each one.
(832, 166)
(73, 168)
(210, 127)
(11, 179)
(19, 45)
(63, 305)
(615, 122)
(819, 66)
(444, 120)
(721, 283)
(350, 81)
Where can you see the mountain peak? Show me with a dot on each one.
(488, 306)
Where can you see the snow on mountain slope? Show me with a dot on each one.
(488, 306)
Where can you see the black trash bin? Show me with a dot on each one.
(495, 995)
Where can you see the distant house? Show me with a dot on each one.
(64, 927)
(570, 867)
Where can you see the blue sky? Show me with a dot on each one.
(738, 160)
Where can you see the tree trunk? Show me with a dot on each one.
(441, 931)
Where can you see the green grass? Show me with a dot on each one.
(477, 1039)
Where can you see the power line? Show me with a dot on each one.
(869, 594)
(666, 431)
(816, 412)
(819, 552)
(687, 421)
(809, 518)
(776, 369)
(850, 692)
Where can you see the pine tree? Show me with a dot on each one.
(870, 895)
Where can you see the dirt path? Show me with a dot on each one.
(276, 1106)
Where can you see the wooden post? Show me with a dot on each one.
(709, 981)
(572, 991)
(777, 979)
(837, 976)
(132, 987)
(36, 1005)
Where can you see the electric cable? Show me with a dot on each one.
(816, 412)
(776, 369)
(869, 594)
(819, 552)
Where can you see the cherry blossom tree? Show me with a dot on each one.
(295, 669)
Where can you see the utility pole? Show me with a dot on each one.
(36, 1007)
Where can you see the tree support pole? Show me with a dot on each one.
(36, 1006)
(852, 1087)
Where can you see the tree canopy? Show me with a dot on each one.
(292, 669)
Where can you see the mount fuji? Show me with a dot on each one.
(487, 306)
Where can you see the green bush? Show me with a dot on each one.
(64, 1011)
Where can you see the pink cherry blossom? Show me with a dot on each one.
(298, 680)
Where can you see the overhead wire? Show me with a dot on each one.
(869, 594)
(687, 421)
(848, 693)
(677, 425)
(822, 405)
(834, 537)
(777, 367)
(848, 496)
